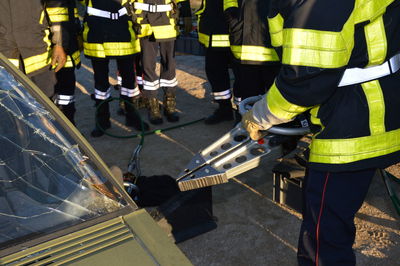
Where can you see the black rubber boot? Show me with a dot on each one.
(132, 117)
(223, 113)
(102, 118)
(154, 111)
(170, 105)
(69, 111)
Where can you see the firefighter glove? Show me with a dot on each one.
(255, 131)
(259, 119)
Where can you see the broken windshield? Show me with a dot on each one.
(46, 183)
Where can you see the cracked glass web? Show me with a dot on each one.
(46, 183)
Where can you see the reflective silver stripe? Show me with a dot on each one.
(64, 99)
(168, 83)
(222, 95)
(119, 80)
(139, 80)
(101, 95)
(106, 14)
(359, 75)
(152, 8)
(130, 92)
(151, 85)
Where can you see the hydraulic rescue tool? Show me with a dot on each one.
(234, 153)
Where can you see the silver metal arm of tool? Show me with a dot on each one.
(246, 104)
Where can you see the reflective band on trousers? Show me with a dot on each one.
(102, 95)
(222, 95)
(64, 99)
(359, 75)
(130, 92)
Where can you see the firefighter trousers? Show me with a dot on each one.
(253, 80)
(331, 201)
(217, 64)
(167, 78)
(126, 70)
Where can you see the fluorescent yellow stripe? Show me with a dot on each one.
(355, 149)
(111, 49)
(57, 14)
(204, 39)
(145, 30)
(36, 62)
(370, 9)
(164, 31)
(254, 53)
(325, 49)
(76, 57)
(375, 36)
(280, 107)
(376, 105)
(200, 11)
(220, 40)
(314, 116)
(230, 3)
(276, 30)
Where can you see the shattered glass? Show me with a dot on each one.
(46, 183)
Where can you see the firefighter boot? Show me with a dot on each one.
(132, 117)
(170, 105)
(102, 118)
(154, 111)
(223, 113)
(69, 111)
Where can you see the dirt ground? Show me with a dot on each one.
(252, 229)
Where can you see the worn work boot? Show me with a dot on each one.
(154, 111)
(69, 111)
(170, 106)
(132, 116)
(223, 113)
(102, 118)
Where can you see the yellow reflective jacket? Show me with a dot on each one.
(25, 32)
(358, 123)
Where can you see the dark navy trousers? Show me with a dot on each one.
(331, 201)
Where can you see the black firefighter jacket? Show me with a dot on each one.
(340, 62)
(249, 33)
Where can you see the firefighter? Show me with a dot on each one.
(64, 96)
(340, 61)
(214, 36)
(30, 42)
(158, 31)
(256, 61)
(108, 34)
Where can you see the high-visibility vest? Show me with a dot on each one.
(340, 62)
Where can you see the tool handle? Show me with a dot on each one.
(246, 104)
